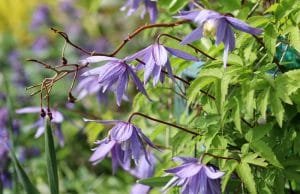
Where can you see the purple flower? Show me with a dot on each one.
(125, 142)
(20, 77)
(40, 17)
(40, 123)
(6, 179)
(114, 73)
(194, 177)
(143, 170)
(155, 58)
(26, 153)
(150, 6)
(218, 24)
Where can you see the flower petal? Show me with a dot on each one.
(185, 159)
(101, 151)
(95, 59)
(122, 82)
(121, 132)
(212, 173)
(194, 35)
(28, 110)
(159, 54)
(138, 83)
(185, 170)
(240, 25)
(181, 54)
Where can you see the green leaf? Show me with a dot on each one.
(177, 5)
(155, 181)
(231, 165)
(244, 172)
(252, 158)
(270, 38)
(221, 92)
(28, 186)
(262, 102)
(51, 159)
(237, 116)
(196, 86)
(277, 108)
(266, 152)
(258, 132)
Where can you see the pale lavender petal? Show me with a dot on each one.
(28, 110)
(148, 69)
(181, 54)
(225, 55)
(152, 9)
(145, 138)
(156, 74)
(57, 117)
(221, 31)
(59, 134)
(194, 35)
(138, 83)
(139, 54)
(185, 159)
(114, 160)
(188, 15)
(135, 146)
(95, 59)
(101, 151)
(240, 25)
(194, 184)
(121, 132)
(205, 15)
(140, 189)
(186, 170)
(39, 131)
(112, 73)
(212, 173)
(169, 70)
(159, 54)
(122, 82)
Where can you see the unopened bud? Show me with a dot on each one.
(71, 98)
(43, 113)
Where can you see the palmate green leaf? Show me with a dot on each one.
(155, 181)
(196, 86)
(51, 159)
(237, 116)
(252, 158)
(244, 172)
(231, 165)
(277, 108)
(262, 102)
(258, 132)
(270, 38)
(29, 188)
(266, 152)
(221, 92)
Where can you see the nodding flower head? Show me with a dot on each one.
(194, 177)
(124, 142)
(114, 75)
(150, 7)
(155, 59)
(57, 119)
(214, 23)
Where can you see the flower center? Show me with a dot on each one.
(209, 27)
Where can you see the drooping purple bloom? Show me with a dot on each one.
(221, 25)
(4, 137)
(20, 77)
(156, 59)
(6, 179)
(114, 75)
(40, 123)
(150, 7)
(41, 16)
(124, 142)
(143, 170)
(194, 177)
(27, 153)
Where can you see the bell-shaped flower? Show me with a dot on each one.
(143, 170)
(194, 177)
(57, 119)
(156, 59)
(150, 7)
(217, 24)
(124, 142)
(114, 73)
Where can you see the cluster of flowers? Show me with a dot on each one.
(126, 141)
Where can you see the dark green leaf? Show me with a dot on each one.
(28, 186)
(51, 159)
